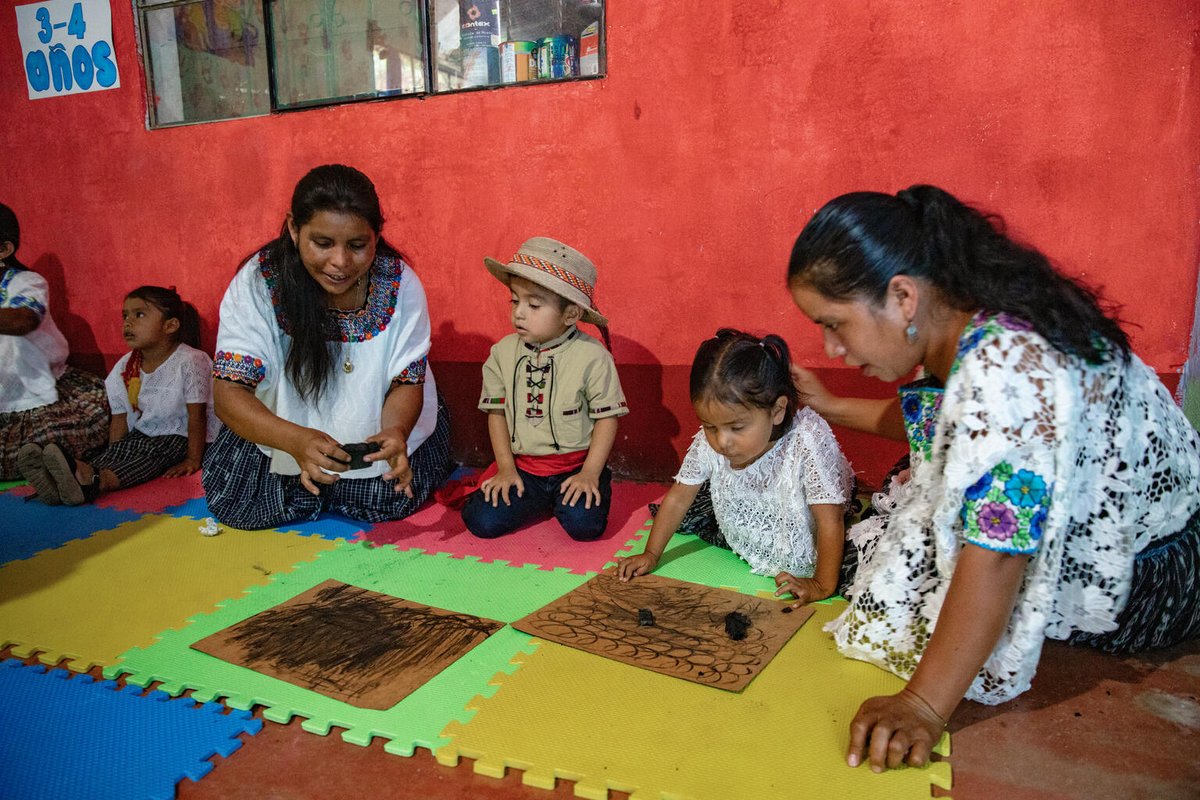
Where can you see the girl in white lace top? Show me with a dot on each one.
(1055, 485)
(778, 480)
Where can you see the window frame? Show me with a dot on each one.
(142, 8)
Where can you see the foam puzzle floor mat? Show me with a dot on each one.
(154, 496)
(661, 738)
(688, 558)
(94, 598)
(327, 526)
(438, 529)
(29, 526)
(493, 590)
(68, 736)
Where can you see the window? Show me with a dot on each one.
(223, 59)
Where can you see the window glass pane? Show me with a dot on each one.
(493, 42)
(208, 61)
(340, 49)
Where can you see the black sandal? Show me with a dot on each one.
(61, 467)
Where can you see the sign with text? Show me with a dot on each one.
(66, 46)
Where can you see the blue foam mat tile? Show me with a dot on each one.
(29, 527)
(329, 526)
(69, 736)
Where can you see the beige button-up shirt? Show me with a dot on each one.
(552, 394)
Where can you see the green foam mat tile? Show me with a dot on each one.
(688, 558)
(494, 590)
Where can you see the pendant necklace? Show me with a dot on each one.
(347, 363)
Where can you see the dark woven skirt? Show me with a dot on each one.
(1164, 601)
(78, 422)
(242, 492)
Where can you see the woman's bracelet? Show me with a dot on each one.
(925, 703)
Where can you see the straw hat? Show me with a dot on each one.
(554, 266)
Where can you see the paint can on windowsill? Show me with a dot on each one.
(517, 61)
(557, 57)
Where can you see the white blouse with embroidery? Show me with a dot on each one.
(30, 365)
(385, 342)
(184, 378)
(1031, 451)
(763, 510)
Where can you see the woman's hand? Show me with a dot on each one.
(898, 729)
(812, 392)
(189, 466)
(393, 448)
(805, 590)
(582, 484)
(316, 451)
(497, 487)
(641, 564)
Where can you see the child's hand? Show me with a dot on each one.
(188, 466)
(805, 590)
(497, 487)
(393, 447)
(641, 564)
(581, 484)
(315, 452)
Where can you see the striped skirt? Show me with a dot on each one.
(78, 422)
(242, 492)
(1164, 601)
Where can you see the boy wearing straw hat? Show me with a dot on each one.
(552, 396)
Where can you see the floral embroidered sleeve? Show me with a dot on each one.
(248, 334)
(1006, 510)
(414, 373)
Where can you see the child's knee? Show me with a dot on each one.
(584, 525)
(483, 520)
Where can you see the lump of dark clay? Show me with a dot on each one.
(736, 625)
(645, 618)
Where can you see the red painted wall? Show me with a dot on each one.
(685, 174)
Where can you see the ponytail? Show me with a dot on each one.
(172, 306)
(858, 242)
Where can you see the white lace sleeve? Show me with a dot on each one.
(698, 463)
(827, 476)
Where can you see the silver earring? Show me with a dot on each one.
(910, 333)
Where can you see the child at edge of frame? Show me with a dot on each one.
(552, 397)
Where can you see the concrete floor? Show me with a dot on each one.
(1093, 727)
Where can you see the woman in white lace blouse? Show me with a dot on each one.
(1054, 482)
(778, 479)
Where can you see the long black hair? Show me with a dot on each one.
(856, 243)
(312, 356)
(10, 231)
(172, 306)
(737, 368)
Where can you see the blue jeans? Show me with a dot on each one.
(541, 500)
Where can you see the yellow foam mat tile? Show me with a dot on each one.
(92, 599)
(569, 715)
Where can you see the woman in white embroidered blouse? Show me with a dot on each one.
(1054, 482)
(323, 351)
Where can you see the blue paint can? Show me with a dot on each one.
(557, 57)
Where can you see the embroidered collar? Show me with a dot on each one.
(355, 325)
(546, 347)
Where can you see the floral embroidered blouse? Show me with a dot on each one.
(1025, 451)
(384, 342)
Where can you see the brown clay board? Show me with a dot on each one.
(364, 648)
(689, 637)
